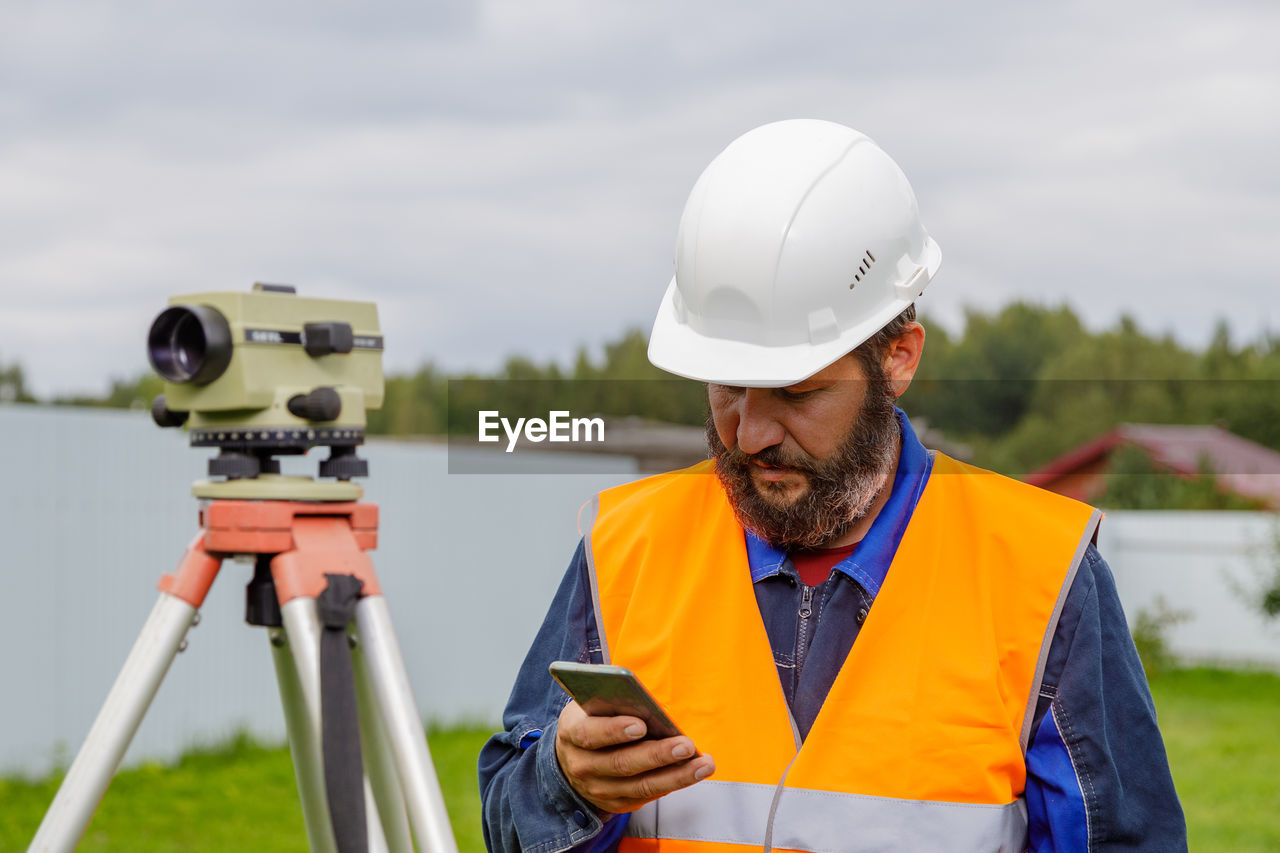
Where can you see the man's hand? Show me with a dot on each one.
(610, 767)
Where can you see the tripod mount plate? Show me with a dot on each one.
(277, 487)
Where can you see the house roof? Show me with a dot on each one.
(1240, 465)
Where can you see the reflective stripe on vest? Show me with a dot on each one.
(737, 813)
(930, 711)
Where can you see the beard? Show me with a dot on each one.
(841, 488)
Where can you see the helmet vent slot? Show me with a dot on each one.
(864, 267)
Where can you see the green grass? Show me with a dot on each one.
(240, 796)
(1222, 730)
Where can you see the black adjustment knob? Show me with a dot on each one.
(326, 338)
(164, 416)
(235, 466)
(322, 404)
(344, 464)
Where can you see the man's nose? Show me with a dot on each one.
(758, 423)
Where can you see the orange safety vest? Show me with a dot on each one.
(920, 744)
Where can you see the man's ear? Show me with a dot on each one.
(902, 357)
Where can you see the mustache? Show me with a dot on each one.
(773, 456)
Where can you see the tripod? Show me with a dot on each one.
(298, 546)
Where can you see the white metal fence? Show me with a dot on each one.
(95, 506)
(1202, 566)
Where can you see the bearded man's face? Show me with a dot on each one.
(802, 464)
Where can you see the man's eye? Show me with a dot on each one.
(795, 396)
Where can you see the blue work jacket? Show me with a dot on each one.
(1097, 774)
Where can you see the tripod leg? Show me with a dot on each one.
(379, 760)
(377, 838)
(90, 774)
(423, 798)
(296, 652)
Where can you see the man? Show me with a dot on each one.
(868, 646)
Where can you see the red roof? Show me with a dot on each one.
(1240, 466)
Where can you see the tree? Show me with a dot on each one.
(1093, 384)
(984, 382)
(135, 393)
(624, 384)
(1241, 387)
(412, 405)
(13, 385)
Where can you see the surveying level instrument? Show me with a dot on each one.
(258, 375)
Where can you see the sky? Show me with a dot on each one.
(507, 177)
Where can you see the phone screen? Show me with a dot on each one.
(604, 690)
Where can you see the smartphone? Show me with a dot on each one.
(609, 691)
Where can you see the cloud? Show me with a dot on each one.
(507, 177)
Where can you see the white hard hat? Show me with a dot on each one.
(801, 240)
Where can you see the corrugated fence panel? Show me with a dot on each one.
(1203, 565)
(95, 505)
